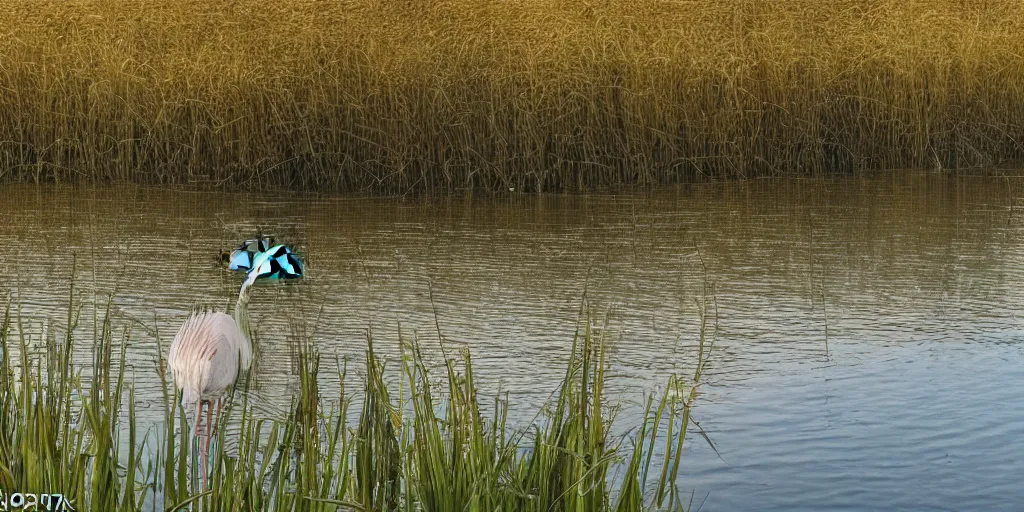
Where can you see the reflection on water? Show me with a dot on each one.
(868, 348)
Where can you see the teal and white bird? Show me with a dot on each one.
(242, 257)
(260, 258)
(278, 262)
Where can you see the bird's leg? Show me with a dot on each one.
(216, 419)
(199, 418)
(204, 454)
(211, 424)
(209, 427)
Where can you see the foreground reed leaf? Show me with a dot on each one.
(433, 448)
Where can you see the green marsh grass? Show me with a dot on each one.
(535, 95)
(435, 445)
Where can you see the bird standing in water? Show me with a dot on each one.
(207, 355)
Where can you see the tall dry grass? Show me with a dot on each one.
(395, 95)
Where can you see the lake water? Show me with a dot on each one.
(869, 349)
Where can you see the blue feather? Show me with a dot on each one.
(275, 262)
(240, 260)
(291, 265)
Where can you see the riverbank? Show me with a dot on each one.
(538, 95)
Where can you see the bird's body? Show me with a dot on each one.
(278, 262)
(242, 257)
(207, 355)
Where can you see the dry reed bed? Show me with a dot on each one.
(394, 96)
(435, 445)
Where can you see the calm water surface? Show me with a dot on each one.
(868, 353)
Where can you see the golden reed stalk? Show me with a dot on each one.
(392, 96)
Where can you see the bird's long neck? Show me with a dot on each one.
(242, 320)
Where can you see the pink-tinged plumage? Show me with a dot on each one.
(207, 355)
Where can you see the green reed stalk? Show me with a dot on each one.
(434, 449)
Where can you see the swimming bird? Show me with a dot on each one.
(207, 355)
(278, 262)
(242, 257)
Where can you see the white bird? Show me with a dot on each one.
(207, 355)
